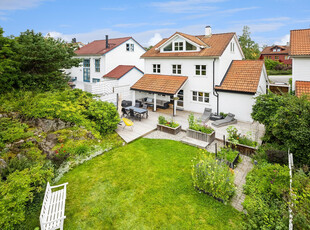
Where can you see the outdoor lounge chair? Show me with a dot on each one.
(228, 120)
(128, 123)
(206, 115)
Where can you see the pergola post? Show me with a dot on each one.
(174, 105)
(154, 102)
(133, 97)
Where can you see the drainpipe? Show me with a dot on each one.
(214, 92)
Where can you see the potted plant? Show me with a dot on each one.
(168, 126)
(198, 131)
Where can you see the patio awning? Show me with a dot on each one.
(164, 84)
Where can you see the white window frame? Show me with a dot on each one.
(156, 68)
(195, 93)
(127, 47)
(132, 47)
(200, 70)
(178, 44)
(178, 68)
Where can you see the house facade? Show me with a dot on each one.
(184, 69)
(102, 56)
(300, 54)
(277, 53)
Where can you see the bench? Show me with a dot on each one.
(53, 208)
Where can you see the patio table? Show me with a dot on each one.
(140, 111)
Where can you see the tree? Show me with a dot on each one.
(249, 47)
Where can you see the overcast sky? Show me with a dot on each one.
(270, 21)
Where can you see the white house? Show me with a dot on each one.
(187, 68)
(102, 56)
(300, 54)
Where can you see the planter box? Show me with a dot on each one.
(243, 149)
(200, 135)
(210, 194)
(232, 164)
(168, 129)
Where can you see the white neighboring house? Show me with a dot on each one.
(188, 67)
(300, 54)
(101, 57)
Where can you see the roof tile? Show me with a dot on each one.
(300, 42)
(120, 71)
(269, 50)
(302, 87)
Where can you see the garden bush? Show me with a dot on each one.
(213, 177)
(194, 125)
(238, 138)
(228, 154)
(163, 121)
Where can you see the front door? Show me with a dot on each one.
(180, 102)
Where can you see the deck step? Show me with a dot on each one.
(195, 142)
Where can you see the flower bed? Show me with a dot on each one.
(213, 177)
(198, 131)
(243, 149)
(230, 156)
(168, 126)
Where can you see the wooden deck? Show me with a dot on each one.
(147, 125)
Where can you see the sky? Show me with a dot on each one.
(270, 21)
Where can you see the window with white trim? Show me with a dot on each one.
(176, 69)
(156, 68)
(232, 47)
(132, 47)
(200, 96)
(276, 57)
(86, 70)
(97, 65)
(190, 46)
(178, 46)
(168, 47)
(201, 70)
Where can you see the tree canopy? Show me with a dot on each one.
(249, 47)
(34, 62)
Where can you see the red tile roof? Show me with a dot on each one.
(300, 42)
(165, 84)
(269, 50)
(120, 71)
(99, 46)
(242, 76)
(302, 87)
(216, 44)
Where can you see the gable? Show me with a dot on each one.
(179, 43)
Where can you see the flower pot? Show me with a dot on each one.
(168, 129)
(207, 137)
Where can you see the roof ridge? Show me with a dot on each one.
(300, 29)
(110, 39)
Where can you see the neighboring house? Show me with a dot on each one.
(243, 81)
(102, 56)
(187, 67)
(277, 53)
(300, 53)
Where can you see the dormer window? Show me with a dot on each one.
(274, 50)
(168, 47)
(190, 46)
(178, 46)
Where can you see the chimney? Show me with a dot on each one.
(208, 31)
(107, 41)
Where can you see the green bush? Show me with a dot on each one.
(163, 121)
(213, 177)
(266, 188)
(18, 191)
(238, 138)
(194, 125)
(227, 154)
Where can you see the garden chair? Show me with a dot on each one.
(144, 106)
(228, 120)
(125, 113)
(205, 116)
(128, 123)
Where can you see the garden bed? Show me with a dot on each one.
(207, 137)
(243, 149)
(168, 129)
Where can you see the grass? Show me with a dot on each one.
(144, 185)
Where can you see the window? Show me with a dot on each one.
(97, 65)
(201, 70)
(86, 70)
(276, 57)
(95, 80)
(168, 47)
(178, 46)
(201, 96)
(190, 46)
(132, 47)
(274, 50)
(127, 46)
(156, 68)
(278, 49)
(176, 69)
(287, 58)
(232, 47)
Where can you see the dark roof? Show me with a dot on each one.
(215, 46)
(165, 84)
(300, 42)
(120, 71)
(302, 87)
(99, 46)
(242, 76)
(269, 50)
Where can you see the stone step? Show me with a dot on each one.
(195, 142)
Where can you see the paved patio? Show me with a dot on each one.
(148, 125)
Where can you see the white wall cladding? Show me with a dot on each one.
(301, 69)
(94, 88)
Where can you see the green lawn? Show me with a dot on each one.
(144, 185)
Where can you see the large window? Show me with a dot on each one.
(201, 96)
(168, 47)
(156, 68)
(86, 70)
(178, 46)
(190, 46)
(176, 69)
(201, 70)
(97, 65)
(130, 47)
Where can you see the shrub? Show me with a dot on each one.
(237, 138)
(163, 121)
(227, 154)
(213, 177)
(192, 123)
(18, 191)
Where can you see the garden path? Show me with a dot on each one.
(240, 174)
